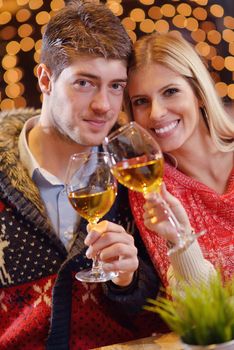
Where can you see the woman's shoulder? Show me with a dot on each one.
(174, 178)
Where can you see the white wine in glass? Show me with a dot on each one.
(91, 190)
(137, 162)
(143, 174)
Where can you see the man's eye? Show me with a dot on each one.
(139, 102)
(118, 86)
(171, 91)
(82, 83)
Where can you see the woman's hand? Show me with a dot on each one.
(156, 219)
(115, 248)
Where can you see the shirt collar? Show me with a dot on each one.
(26, 156)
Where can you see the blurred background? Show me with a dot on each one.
(208, 24)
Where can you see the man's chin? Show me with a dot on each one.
(94, 140)
(89, 143)
(89, 140)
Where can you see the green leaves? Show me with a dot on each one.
(202, 315)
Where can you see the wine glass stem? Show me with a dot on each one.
(96, 263)
(181, 235)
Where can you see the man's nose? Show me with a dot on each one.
(100, 102)
(158, 110)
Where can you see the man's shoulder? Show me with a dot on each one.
(11, 124)
(19, 114)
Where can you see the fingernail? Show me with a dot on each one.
(88, 253)
(86, 241)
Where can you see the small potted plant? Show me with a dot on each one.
(202, 315)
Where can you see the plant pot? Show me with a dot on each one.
(223, 346)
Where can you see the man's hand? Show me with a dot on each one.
(115, 248)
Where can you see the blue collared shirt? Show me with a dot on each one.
(63, 217)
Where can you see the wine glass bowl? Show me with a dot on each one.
(137, 162)
(91, 190)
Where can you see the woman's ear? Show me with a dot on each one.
(200, 102)
(44, 78)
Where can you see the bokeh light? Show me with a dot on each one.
(217, 10)
(128, 23)
(35, 4)
(200, 13)
(137, 15)
(5, 17)
(221, 88)
(8, 33)
(147, 26)
(147, 2)
(192, 24)
(230, 91)
(203, 48)
(217, 63)
(168, 10)
(184, 9)
(155, 12)
(214, 37)
(25, 30)
(198, 35)
(42, 17)
(23, 15)
(209, 25)
(115, 7)
(162, 26)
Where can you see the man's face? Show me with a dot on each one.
(85, 100)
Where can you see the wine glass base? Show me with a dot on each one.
(185, 243)
(95, 276)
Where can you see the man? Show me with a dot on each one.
(82, 76)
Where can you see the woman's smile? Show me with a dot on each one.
(166, 130)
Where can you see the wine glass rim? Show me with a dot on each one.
(119, 131)
(88, 153)
(86, 156)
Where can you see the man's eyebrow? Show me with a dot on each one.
(93, 76)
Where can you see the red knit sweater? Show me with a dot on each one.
(25, 327)
(207, 210)
(42, 305)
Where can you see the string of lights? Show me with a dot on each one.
(208, 24)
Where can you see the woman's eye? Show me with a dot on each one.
(139, 101)
(171, 91)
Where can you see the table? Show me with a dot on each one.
(168, 341)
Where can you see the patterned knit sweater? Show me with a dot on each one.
(42, 305)
(207, 210)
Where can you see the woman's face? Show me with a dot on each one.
(164, 103)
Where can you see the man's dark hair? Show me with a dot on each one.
(83, 28)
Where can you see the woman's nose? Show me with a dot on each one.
(158, 110)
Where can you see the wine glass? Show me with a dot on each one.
(137, 163)
(91, 190)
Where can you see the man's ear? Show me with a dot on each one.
(44, 78)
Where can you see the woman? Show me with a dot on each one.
(171, 94)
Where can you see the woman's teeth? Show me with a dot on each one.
(167, 128)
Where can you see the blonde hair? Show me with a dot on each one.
(177, 54)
